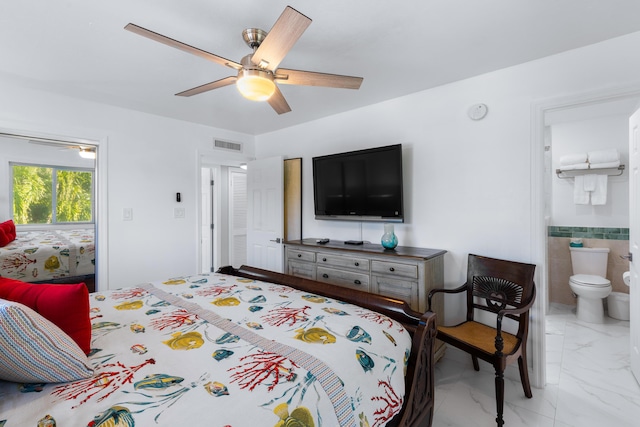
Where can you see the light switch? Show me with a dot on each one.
(178, 212)
(127, 214)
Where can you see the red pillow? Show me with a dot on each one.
(4, 239)
(7, 232)
(67, 306)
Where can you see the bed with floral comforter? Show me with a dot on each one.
(227, 351)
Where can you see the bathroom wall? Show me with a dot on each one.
(581, 136)
(617, 240)
(606, 226)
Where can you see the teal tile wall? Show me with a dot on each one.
(606, 233)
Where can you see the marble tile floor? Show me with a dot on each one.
(589, 381)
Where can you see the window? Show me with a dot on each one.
(51, 194)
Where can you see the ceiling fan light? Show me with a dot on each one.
(87, 153)
(256, 85)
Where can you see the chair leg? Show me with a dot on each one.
(524, 376)
(499, 396)
(474, 359)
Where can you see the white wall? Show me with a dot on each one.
(149, 159)
(582, 136)
(468, 183)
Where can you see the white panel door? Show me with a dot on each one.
(634, 240)
(238, 217)
(265, 215)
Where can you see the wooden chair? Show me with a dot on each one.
(505, 288)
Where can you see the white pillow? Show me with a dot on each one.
(34, 350)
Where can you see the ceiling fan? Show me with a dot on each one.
(258, 72)
(85, 151)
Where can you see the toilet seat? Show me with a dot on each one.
(589, 280)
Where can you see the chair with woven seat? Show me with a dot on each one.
(506, 289)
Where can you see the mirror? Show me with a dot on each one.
(51, 197)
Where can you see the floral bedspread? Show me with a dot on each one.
(221, 351)
(44, 255)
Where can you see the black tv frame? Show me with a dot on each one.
(379, 153)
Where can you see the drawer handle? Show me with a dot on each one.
(299, 255)
(357, 264)
(324, 259)
(357, 282)
(325, 275)
(392, 269)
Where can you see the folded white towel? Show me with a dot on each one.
(599, 195)
(570, 159)
(580, 197)
(604, 156)
(576, 166)
(589, 182)
(604, 165)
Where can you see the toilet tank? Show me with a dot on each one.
(590, 261)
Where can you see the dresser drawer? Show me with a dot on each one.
(360, 264)
(394, 269)
(301, 269)
(301, 255)
(349, 279)
(405, 290)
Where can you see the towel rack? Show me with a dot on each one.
(573, 172)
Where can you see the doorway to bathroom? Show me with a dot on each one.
(569, 126)
(573, 215)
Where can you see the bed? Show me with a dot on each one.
(241, 347)
(50, 255)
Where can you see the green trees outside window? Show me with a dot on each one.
(51, 195)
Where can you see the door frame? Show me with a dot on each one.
(205, 202)
(634, 232)
(538, 225)
(213, 159)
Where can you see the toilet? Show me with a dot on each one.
(589, 282)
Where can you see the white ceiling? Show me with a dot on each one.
(79, 48)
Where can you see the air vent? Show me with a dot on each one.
(228, 145)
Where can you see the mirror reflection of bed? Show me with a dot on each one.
(53, 250)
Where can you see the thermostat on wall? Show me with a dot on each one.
(477, 111)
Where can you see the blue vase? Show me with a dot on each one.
(389, 239)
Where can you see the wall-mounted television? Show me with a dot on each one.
(363, 185)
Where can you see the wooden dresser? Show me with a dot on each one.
(404, 273)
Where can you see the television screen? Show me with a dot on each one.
(363, 185)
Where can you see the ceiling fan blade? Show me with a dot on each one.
(283, 35)
(209, 86)
(53, 143)
(278, 103)
(182, 46)
(310, 78)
